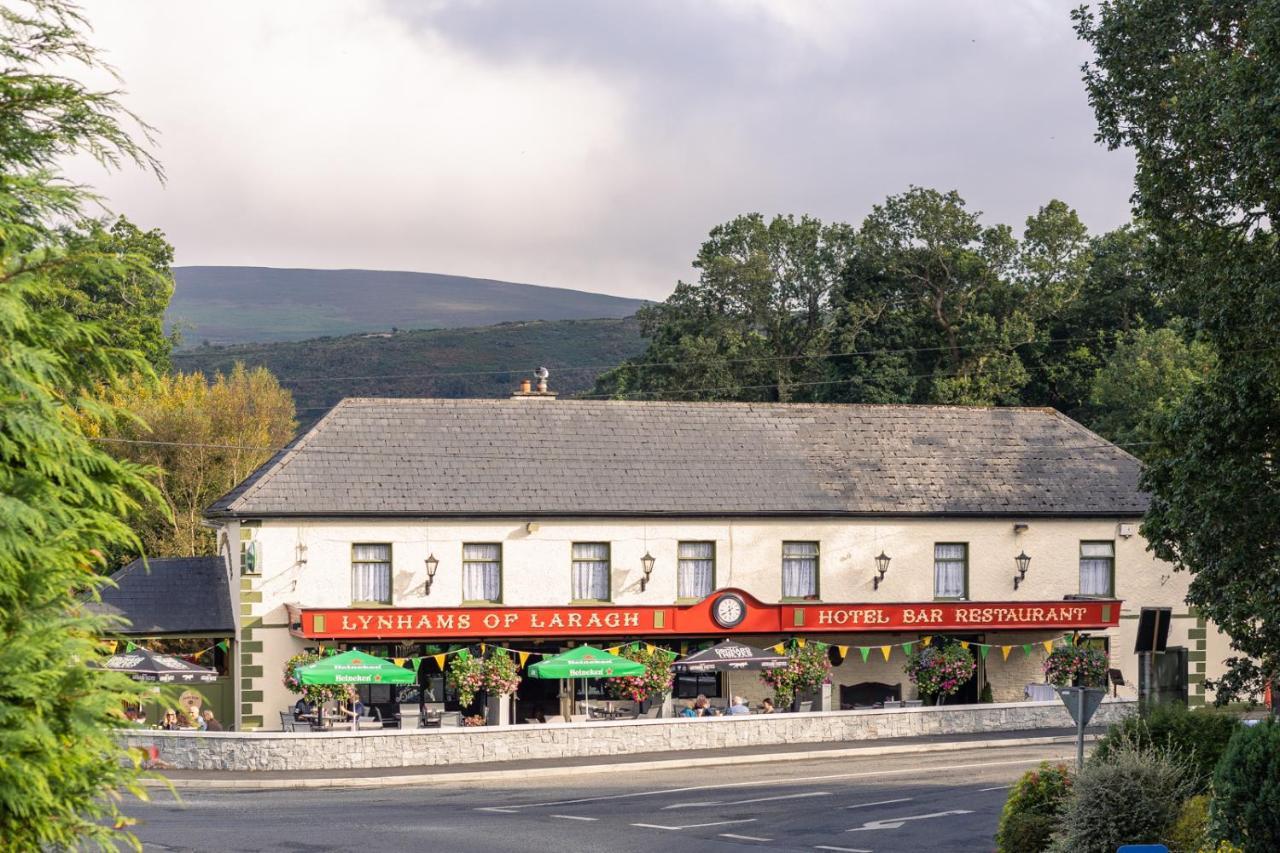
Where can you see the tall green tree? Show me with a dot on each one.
(62, 499)
(1191, 88)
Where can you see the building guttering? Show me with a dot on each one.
(1131, 515)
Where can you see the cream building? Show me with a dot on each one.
(406, 527)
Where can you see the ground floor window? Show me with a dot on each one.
(692, 685)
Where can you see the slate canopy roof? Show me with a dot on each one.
(170, 596)
(547, 457)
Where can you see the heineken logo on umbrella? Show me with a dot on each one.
(354, 668)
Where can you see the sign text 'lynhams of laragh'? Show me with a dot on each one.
(694, 619)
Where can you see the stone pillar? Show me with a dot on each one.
(498, 710)
(822, 699)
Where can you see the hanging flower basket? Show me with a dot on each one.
(499, 674)
(940, 671)
(655, 682)
(1076, 665)
(316, 694)
(807, 668)
(466, 676)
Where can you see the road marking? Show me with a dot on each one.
(841, 849)
(745, 802)
(897, 822)
(694, 825)
(573, 817)
(881, 803)
(744, 837)
(495, 809)
(996, 788)
(759, 782)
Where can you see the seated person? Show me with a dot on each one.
(766, 706)
(304, 710)
(170, 721)
(688, 710)
(211, 723)
(701, 706)
(354, 708)
(738, 707)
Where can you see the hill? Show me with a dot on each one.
(482, 362)
(230, 305)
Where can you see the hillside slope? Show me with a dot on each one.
(229, 305)
(481, 362)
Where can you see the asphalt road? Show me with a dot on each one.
(944, 801)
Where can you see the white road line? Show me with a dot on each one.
(897, 822)
(495, 809)
(694, 825)
(745, 802)
(881, 803)
(996, 788)
(573, 817)
(841, 849)
(758, 782)
(743, 837)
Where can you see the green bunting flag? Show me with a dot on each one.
(417, 664)
(983, 650)
(1026, 649)
(906, 648)
(864, 651)
(128, 647)
(222, 645)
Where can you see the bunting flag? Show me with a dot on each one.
(800, 641)
(906, 648)
(983, 650)
(650, 648)
(885, 650)
(1004, 650)
(1048, 645)
(964, 644)
(417, 664)
(222, 644)
(439, 659)
(129, 646)
(1026, 649)
(925, 641)
(524, 656)
(112, 646)
(613, 650)
(864, 651)
(781, 649)
(398, 661)
(684, 649)
(482, 648)
(844, 651)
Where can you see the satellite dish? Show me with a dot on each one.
(542, 373)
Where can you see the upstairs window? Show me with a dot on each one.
(950, 570)
(482, 572)
(800, 570)
(371, 574)
(590, 571)
(696, 572)
(1097, 568)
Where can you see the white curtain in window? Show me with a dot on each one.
(1096, 560)
(799, 569)
(591, 571)
(694, 575)
(948, 571)
(371, 573)
(481, 572)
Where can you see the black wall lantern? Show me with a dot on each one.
(1022, 561)
(882, 566)
(432, 565)
(646, 562)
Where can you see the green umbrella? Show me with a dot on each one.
(585, 662)
(355, 668)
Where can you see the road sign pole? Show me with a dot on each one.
(1080, 730)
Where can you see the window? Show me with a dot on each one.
(590, 571)
(371, 574)
(249, 562)
(799, 569)
(693, 684)
(696, 572)
(482, 572)
(1097, 568)
(950, 570)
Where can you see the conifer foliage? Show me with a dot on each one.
(62, 500)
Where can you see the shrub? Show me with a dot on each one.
(1199, 736)
(1190, 832)
(1067, 664)
(1132, 797)
(1246, 790)
(939, 671)
(1031, 813)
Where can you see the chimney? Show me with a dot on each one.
(527, 389)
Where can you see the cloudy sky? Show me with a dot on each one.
(586, 144)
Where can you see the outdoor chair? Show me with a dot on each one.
(914, 703)
(889, 704)
(653, 713)
(451, 718)
(287, 722)
(409, 715)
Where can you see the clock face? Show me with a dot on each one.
(729, 610)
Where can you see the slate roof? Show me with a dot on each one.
(538, 456)
(180, 595)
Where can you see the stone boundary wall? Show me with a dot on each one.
(248, 751)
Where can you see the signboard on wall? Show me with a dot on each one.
(696, 619)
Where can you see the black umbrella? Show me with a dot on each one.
(730, 655)
(142, 665)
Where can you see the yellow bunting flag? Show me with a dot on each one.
(844, 651)
(926, 641)
(1048, 645)
(800, 641)
(964, 644)
(650, 648)
(1004, 650)
(886, 650)
(780, 648)
(112, 646)
(524, 656)
(439, 659)
(398, 661)
(482, 648)
(613, 651)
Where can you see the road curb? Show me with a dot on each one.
(428, 779)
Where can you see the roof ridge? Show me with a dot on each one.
(708, 403)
